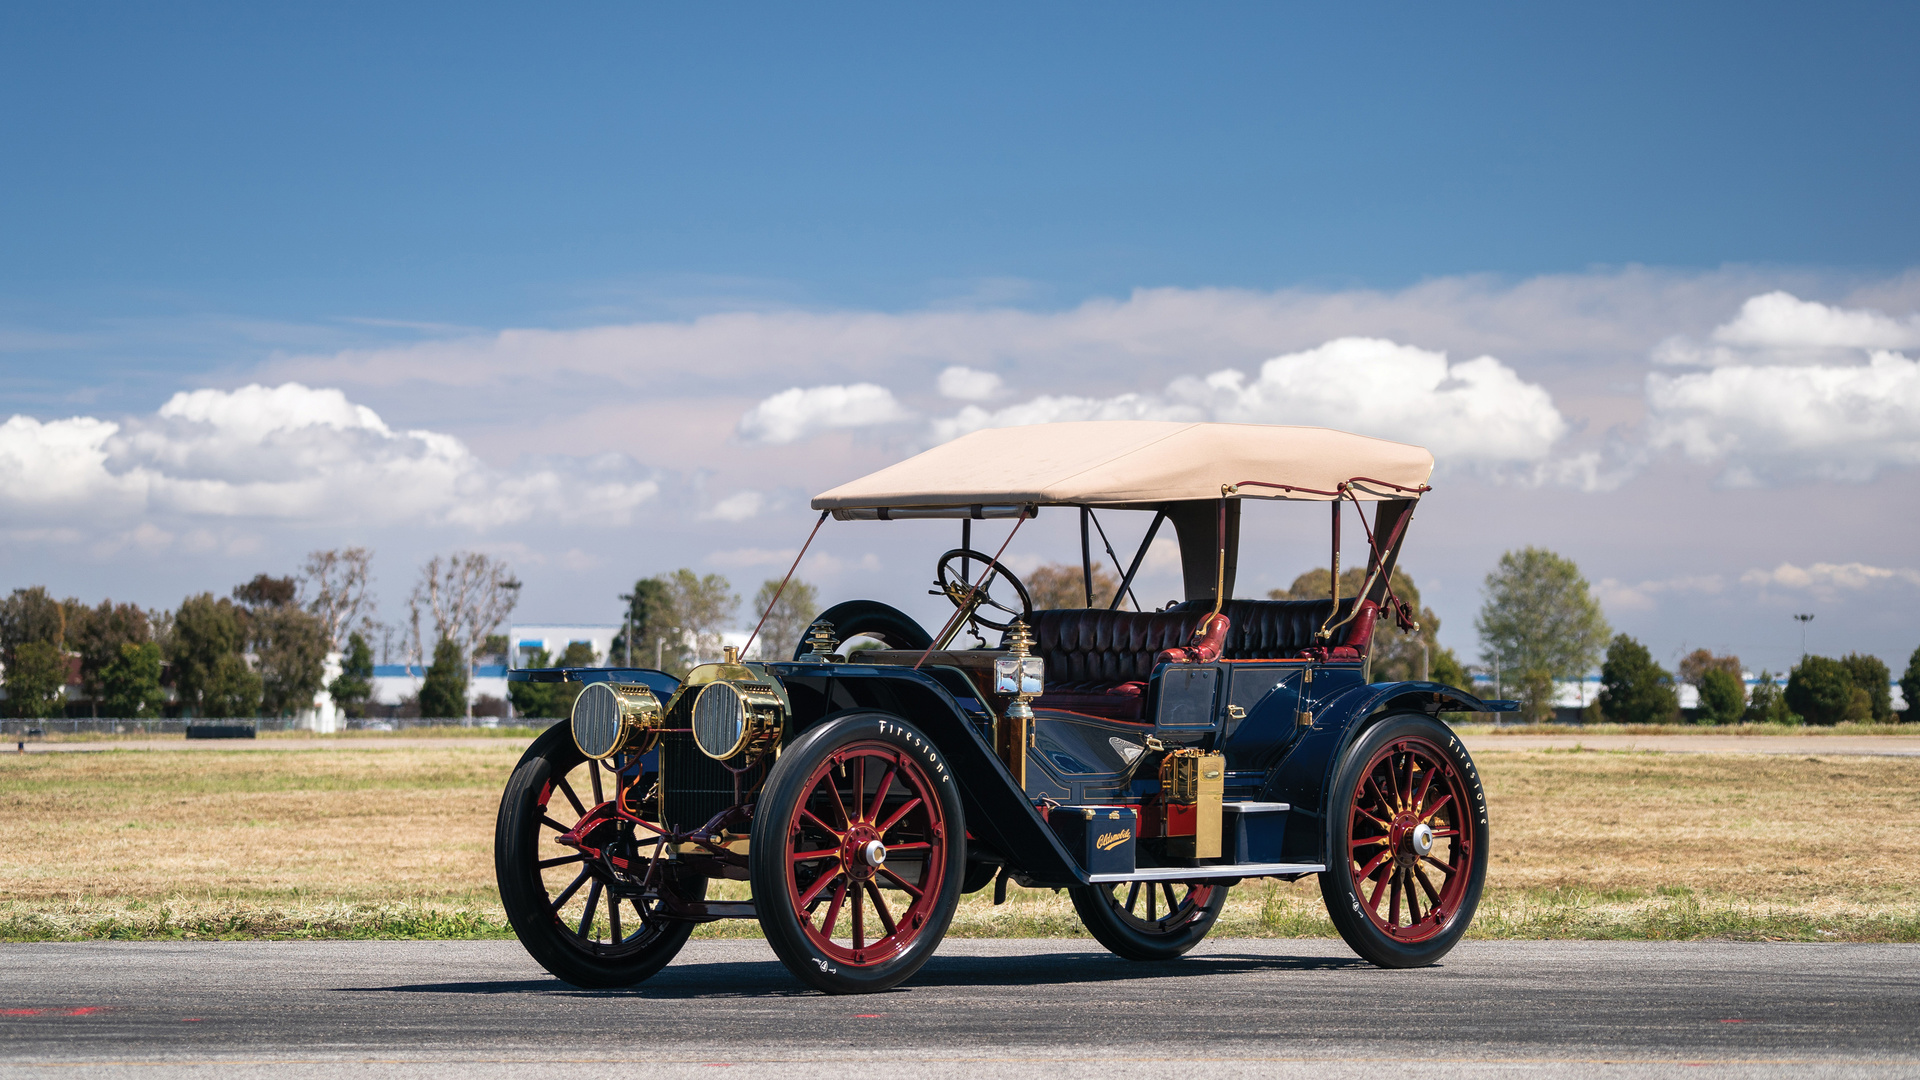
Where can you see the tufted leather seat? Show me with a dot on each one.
(1283, 629)
(1099, 661)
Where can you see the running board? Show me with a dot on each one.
(1202, 873)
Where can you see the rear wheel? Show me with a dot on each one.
(858, 852)
(593, 915)
(1407, 850)
(1149, 920)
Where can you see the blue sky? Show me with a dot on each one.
(365, 199)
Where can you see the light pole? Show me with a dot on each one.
(1803, 620)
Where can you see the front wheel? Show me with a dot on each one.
(594, 913)
(1149, 920)
(1407, 843)
(858, 852)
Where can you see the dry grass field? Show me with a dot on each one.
(396, 842)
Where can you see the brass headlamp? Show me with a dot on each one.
(611, 717)
(739, 709)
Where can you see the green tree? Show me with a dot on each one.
(1871, 677)
(231, 689)
(532, 699)
(1766, 704)
(1056, 586)
(37, 680)
(1541, 623)
(1634, 689)
(698, 610)
(130, 684)
(290, 650)
(1447, 670)
(1910, 687)
(1398, 655)
(30, 615)
(99, 636)
(788, 621)
(1695, 665)
(207, 633)
(1723, 696)
(649, 613)
(353, 687)
(1820, 689)
(443, 692)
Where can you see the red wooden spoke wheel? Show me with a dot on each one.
(593, 910)
(857, 853)
(1149, 920)
(1408, 849)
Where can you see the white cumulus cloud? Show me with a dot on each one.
(794, 414)
(739, 506)
(1828, 577)
(966, 384)
(288, 453)
(1768, 423)
(1478, 411)
(1780, 328)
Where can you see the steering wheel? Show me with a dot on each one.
(948, 575)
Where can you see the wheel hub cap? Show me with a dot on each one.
(1421, 839)
(874, 852)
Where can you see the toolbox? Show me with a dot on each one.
(1101, 837)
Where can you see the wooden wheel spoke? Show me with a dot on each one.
(1379, 822)
(839, 803)
(1386, 804)
(1420, 800)
(1441, 834)
(1393, 898)
(819, 884)
(1153, 899)
(547, 864)
(833, 906)
(1444, 800)
(1133, 897)
(567, 893)
(809, 856)
(1369, 842)
(613, 919)
(859, 797)
(1433, 894)
(880, 791)
(1446, 868)
(552, 824)
(880, 909)
(1366, 871)
(567, 790)
(1173, 905)
(821, 825)
(593, 904)
(593, 768)
(887, 826)
(902, 882)
(1413, 899)
(859, 918)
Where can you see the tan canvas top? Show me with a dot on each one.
(1111, 462)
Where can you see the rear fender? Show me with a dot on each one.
(998, 813)
(1304, 777)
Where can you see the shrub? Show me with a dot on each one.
(444, 691)
(1910, 687)
(1820, 689)
(1634, 689)
(1766, 705)
(1870, 676)
(1723, 697)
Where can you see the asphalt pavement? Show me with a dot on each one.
(998, 1009)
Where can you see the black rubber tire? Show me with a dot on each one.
(786, 786)
(1337, 888)
(516, 848)
(882, 622)
(1126, 935)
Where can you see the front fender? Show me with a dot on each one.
(1304, 776)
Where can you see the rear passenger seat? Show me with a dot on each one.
(1099, 661)
(1284, 629)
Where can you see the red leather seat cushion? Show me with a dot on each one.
(1099, 661)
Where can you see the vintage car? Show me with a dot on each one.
(1145, 761)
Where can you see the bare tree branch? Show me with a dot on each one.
(340, 579)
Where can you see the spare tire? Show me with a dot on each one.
(871, 618)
